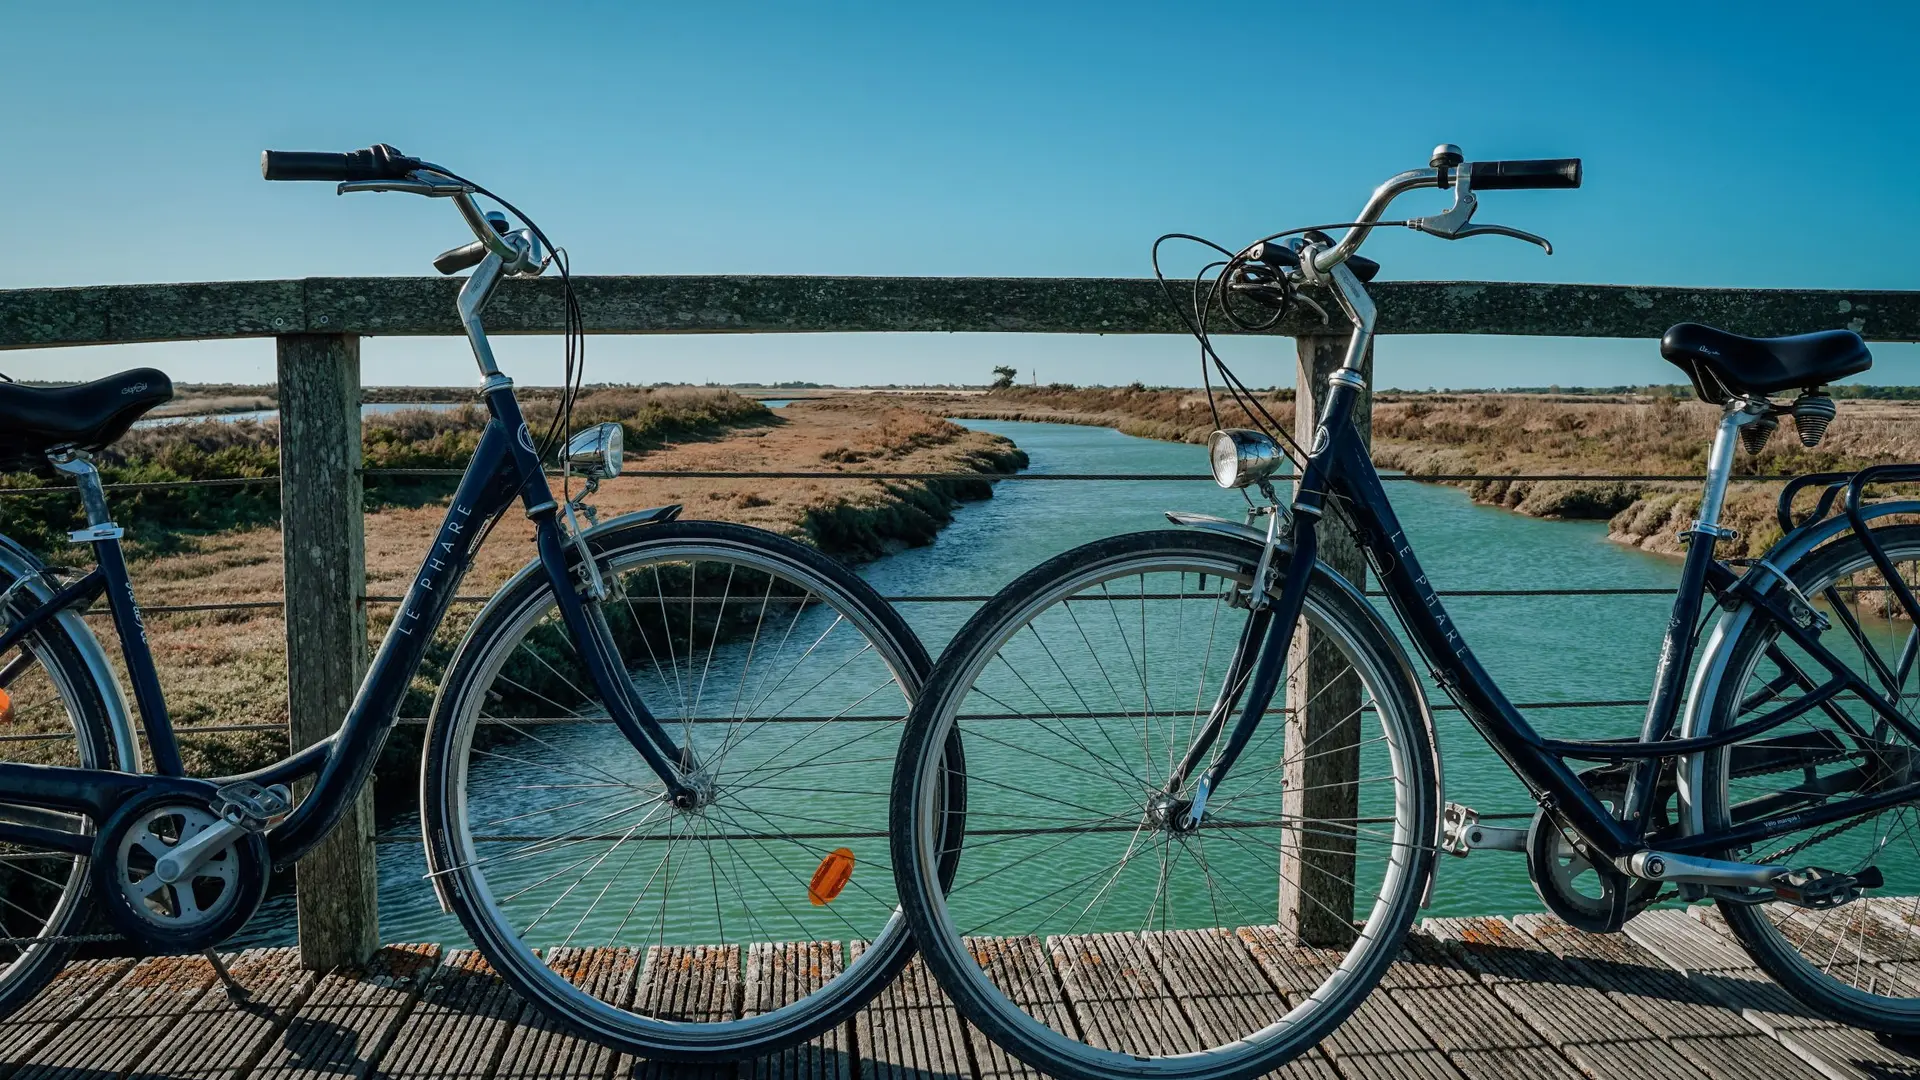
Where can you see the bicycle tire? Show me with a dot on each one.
(746, 1032)
(960, 961)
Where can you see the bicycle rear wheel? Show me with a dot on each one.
(1085, 929)
(1859, 961)
(51, 713)
(652, 927)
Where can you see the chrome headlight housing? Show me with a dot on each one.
(1242, 456)
(595, 453)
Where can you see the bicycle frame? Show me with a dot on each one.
(505, 466)
(1339, 468)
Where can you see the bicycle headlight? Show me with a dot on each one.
(595, 453)
(1242, 456)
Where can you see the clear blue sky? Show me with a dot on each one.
(1749, 144)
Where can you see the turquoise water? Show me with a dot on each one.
(1541, 649)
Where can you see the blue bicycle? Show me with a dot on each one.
(660, 748)
(1202, 769)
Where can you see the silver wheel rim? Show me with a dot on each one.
(1339, 988)
(843, 990)
(73, 890)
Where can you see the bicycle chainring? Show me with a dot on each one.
(1573, 887)
(189, 915)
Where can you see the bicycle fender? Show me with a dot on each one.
(21, 563)
(1258, 538)
(1712, 669)
(658, 515)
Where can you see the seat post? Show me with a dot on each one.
(1736, 414)
(79, 465)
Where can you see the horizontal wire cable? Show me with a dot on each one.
(931, 598)
(553, 721)
(816, 474)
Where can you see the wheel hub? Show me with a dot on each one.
(699, 792)
(1169, 813)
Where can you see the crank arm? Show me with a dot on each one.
(186, 858)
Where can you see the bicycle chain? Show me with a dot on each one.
(1822, 837)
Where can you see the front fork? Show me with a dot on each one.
(1268, 635)
(585, 622)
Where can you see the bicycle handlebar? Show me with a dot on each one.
(1520, 175)
(382, 168)
(454, 260)
(378, 162)
(1453, 225)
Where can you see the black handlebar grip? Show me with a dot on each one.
(1274, 253)
(1516, 175)
(454, 260)
(381, 162)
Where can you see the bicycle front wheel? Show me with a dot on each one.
(1087, 929)
(1858, 961)
(709, 932)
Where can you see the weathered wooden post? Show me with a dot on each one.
(1321, 797)
(324, 545)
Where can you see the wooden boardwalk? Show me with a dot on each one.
(1473, 999)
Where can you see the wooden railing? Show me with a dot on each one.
(317, 324)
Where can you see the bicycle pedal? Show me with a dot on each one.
(253, 806)
(1815, 888)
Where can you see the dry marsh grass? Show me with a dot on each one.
(1456, 434)
(229, 667)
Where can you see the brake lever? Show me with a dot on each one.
(1502, 230)
(413, 185)
(1455, 222)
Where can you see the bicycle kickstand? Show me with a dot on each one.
(235, 992)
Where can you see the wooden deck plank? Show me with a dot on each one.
(1527, 998)
(1717, 1040)
(1380, 1039)
(1835, 1049)
(911, 1031)
(539, 1049)
(219, 1038)
(349, 1018)
(110, 1035)
(459, 1025)
(693, 983)
(1577, 1018)
(1117, 995)
(1020, 968)
(1481, 1034)
(1216, 981)
(77, 986)
(779, 974)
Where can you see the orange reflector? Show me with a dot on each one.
(832, 875)
(6, 707)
